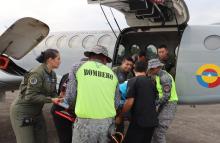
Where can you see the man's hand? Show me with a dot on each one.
(57, 100)
(62, 94)
(118, 120)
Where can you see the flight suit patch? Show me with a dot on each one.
(33, 80)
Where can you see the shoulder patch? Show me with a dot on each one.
(166, 88)
(33, 80)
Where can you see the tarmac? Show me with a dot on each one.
(191, 125)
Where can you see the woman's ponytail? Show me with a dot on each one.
(45, 55)
(40, 58)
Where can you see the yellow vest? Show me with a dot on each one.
(96, 86)
(173, 96)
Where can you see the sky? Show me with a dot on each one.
(77, 15)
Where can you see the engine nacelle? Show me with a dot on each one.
(8, 66)
(4, 62)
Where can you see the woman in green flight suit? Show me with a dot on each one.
(37, 88)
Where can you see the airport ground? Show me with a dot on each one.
(191, 125)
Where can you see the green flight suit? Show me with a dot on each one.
(122, 76)
(37, 88)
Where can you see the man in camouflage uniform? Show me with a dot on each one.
(167, 59)
(167, 102)
(124, 71)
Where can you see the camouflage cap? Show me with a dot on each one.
(154, 63)
(98, 49)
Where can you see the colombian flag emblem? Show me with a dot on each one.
(208, 75)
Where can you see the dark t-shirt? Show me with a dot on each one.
(143, 111)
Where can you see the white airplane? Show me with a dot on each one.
(16, 60)
(150, 24)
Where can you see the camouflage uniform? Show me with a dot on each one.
(166, 109)
(122, 76)
(169, 65)
(37, 88)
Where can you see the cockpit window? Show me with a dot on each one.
(151, 51)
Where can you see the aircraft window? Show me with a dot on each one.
(105, 40)
(60, 42)
(151, 51)
(74, 41)
(121, 50)
(212, 42)
(88, 42)
(49, 41)
(135, 49)
(121, 54)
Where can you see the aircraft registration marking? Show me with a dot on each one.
(208, 75)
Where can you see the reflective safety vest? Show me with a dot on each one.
(96, 86)
(173, 96)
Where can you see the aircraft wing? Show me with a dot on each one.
(8, 81)
(148, 12)
(22, 36)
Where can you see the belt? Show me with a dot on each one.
(94, 121)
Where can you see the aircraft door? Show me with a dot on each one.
(198, 65)
(149, 13)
